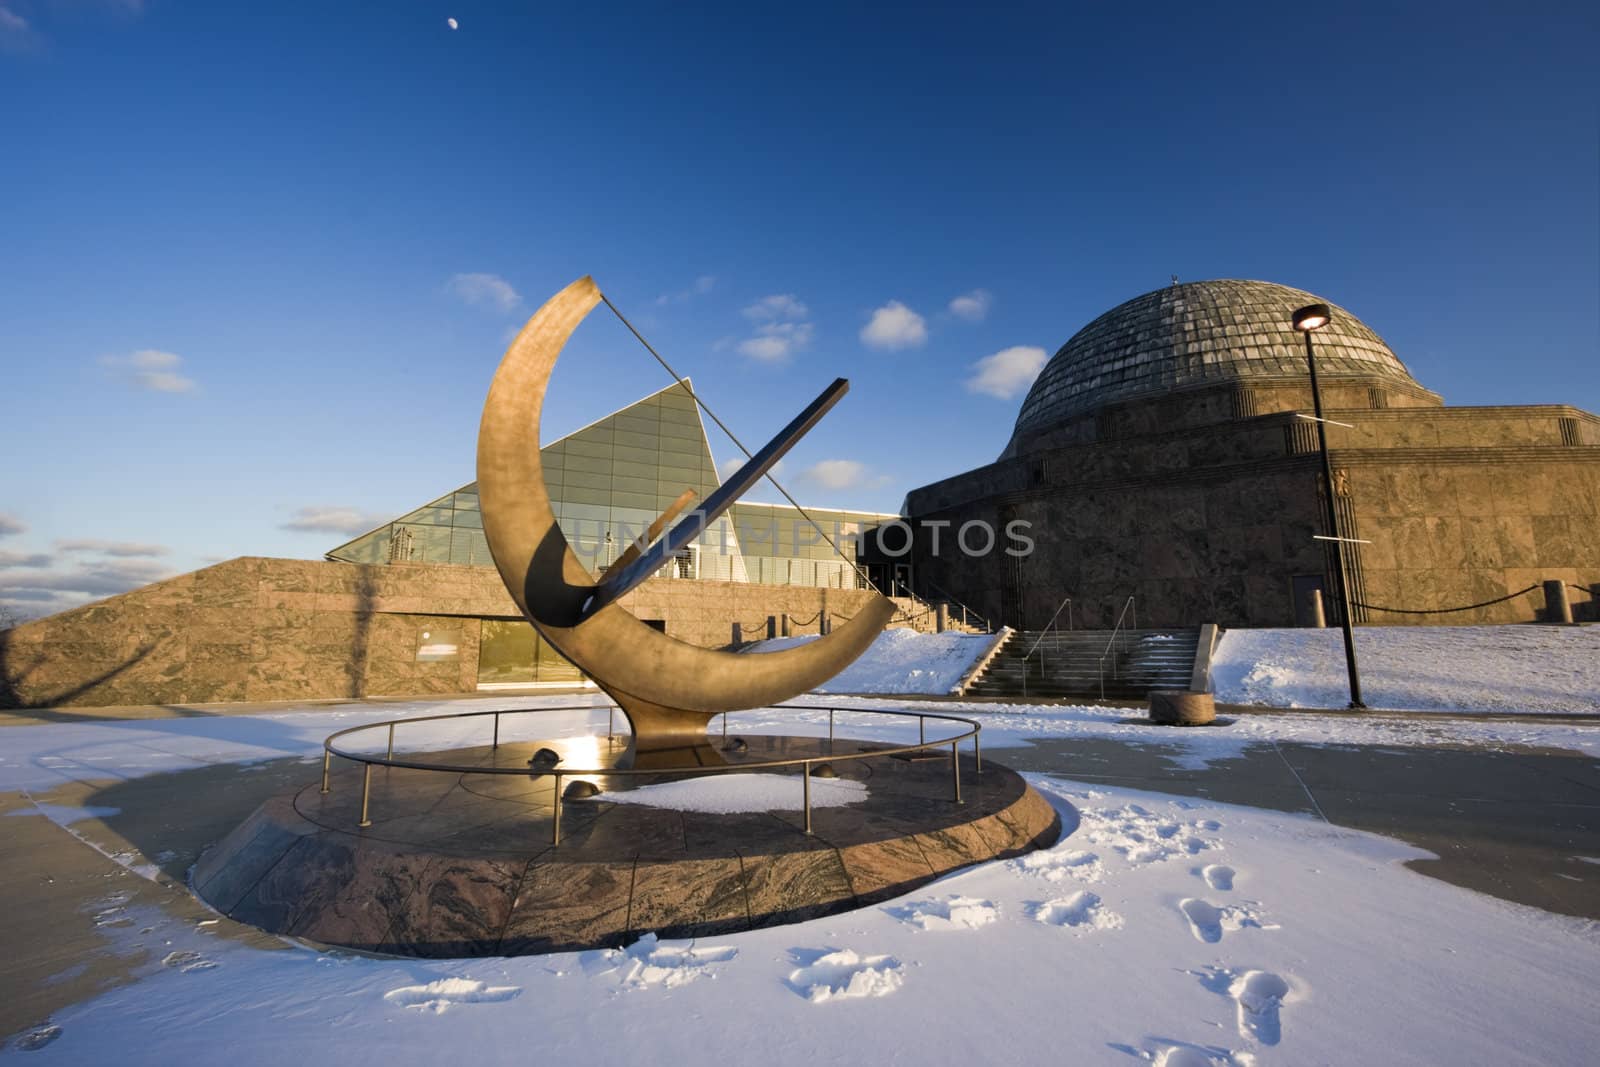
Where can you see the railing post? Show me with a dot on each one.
(555, 824)
(611, 723)
(805, 773)
(326, 756)
(977, 751)
(496, 730)
(955, 769)
(390, 754)
(366, 793)
(922, 737)
(830, 731)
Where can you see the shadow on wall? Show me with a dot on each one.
(366, 608)
(13, 682)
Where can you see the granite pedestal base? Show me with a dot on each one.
(463, 865)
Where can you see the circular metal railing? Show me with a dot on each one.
(557, 773)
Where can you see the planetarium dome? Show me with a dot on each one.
(1192, 335)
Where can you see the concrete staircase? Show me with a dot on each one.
(918, 614)
(1067, 664)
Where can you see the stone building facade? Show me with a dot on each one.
(1164, 454)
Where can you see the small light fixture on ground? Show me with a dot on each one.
(1308, 320)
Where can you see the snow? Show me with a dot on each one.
(900, 661)
(727, 794)
(1160, 930)
(1318, 947)
(1432, 668)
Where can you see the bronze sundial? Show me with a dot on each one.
(668, 689)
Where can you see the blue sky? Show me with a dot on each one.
(258, 262)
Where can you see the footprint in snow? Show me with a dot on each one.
(954, 913)
(650, 962)
(1082, 911)
(1218, 877)
(1260, 995)
(1208, 922)
(1182, 1054)
(439, 997)
(1056, 866)
(844, 975)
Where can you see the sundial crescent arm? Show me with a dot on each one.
(645, 670)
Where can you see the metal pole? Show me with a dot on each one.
(724, 726)
(805, 772)
(1333, 528)
(390, 754)
(977, 752)
(830, 731)
(555, 832)
(366, 793)
(326, 756)
(955, 769)
(922, 737)
(611, 722)
(496, 730)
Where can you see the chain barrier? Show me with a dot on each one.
(1438, 611)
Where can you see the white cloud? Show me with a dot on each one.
(777, 306)
(485, 290)
(11, 22)
(1007, 372)
(730, 466)
(23, 559)
(781, 328)
(151, 369)
(333, 519)
(112, 548)
(702, 285)
(973, 306)
(894, 326)
(843, 474)
(10, 526)
(62, 589)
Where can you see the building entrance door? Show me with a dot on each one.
(511, 654)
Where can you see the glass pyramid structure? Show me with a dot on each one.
(609, 481)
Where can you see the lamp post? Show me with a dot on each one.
(1308, 320)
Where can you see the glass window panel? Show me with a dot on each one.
(472, 519)
(636, 424)
(506, 651)
(580, 495)
(634, 485)
(646, 441)
(573, 481)
(578, 447)
(633, 500)
(469, 548)
(587, 464)
(430, 544)
(467, 501)
(439, 516)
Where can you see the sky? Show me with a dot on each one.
(258, 262)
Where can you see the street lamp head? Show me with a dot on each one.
(1312, 317)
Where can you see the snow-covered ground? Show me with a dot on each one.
(1435, 668)
(1162, 930)
(900, 661)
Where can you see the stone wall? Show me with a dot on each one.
(1214, 523)
(255, 629)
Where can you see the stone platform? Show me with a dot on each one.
(463, 865)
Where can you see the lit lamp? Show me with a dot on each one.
(1308, 320)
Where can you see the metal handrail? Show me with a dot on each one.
(1127, 606)
(945, 594)
(696, 770)
(1066, 602)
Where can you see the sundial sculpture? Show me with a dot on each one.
(668, 689)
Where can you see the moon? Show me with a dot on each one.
(452, 23)
(668, 689)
